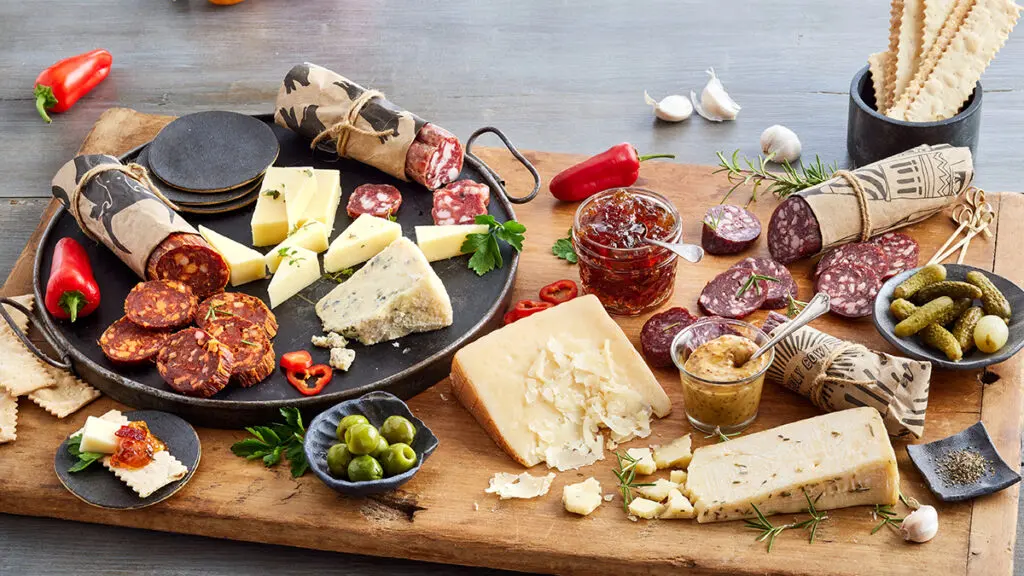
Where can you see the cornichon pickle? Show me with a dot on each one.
(963, 329)
(924, 316)
(959, 306)
(941, 339)
(902, 309)
(930, 274)
(950, 288)
(991, 298)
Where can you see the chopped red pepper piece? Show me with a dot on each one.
(558, 292)
(298, 361)
(300, 380)
(525, 308)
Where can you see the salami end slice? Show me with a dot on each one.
(793, 231)
(161, 304)
(731, 294)
(249, 347)
(125, 342)
(658, 332)
(864, 254)
(778, 292)
(194, 363)
(773, 321)
(902, 250)
(460, 203)
(237, 304)
(434, 158)
(851, 287)
(189, 259)
(729, 229)
(380, 200)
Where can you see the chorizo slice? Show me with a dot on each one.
(194, 363)
(249, 346)
(161, 304)
(237, 304)
(125, 342)
(434, 158)
(189, 259)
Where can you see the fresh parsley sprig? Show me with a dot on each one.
(276, 441)
(485, 248)
(564, 250)
(781, 184)
(85, 459)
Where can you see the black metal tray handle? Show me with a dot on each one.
(492, 177)
(65, 361)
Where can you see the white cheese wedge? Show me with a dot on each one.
(545, 386)
(362, 240)
(98, 435)
(312, 236)
(523, 486)
(114, 416)
(674, 454)
(659, 491)
(160, 471)
(396, 293)
(644, 508)
(840, 459)
(246, 264)
(270, 218)
(677, 507)
(298, 185)
(678, 476)
(441, 242)
(298, 269)
(324, 205)
(341, 358)
(645, 461)
(582, 497)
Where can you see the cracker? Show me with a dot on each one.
(114, 416)
(936, 12)
(8, 418)
(908, 53)
(161, 471)
(67, 396)
(895, 18)
(970, 52)
(26, 300)
(878, 63)
(20, 371)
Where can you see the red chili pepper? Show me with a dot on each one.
(558, 292)
(71, 291)
(58, 87)
(615, 167)
(525, 308)
(300, 379)
(298, 361)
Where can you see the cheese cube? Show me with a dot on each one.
(299, 268)
(645, 460)
(840, 459)
(312, 236)
(644, 508)
(583, 497)
(270, 218)
(245, 263)
(362, 240)
(678, 476)
(98, 435)
(324, 205)
(659, 491)
(677, 506)
(675, 453)
(440, 242)
(523, 486)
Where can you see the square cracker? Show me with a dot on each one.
(67, 396)
(161, 471)
(20, 371)
(26, 300)
(8, 418)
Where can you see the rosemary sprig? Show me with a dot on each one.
(815, 519)
(887, 516)
(722, 437)
(781, 184)
(752, 281)
(626, 475)
(768, 530)
(713, 219)
(214, 310)
(794, 307)
(249, 342)
(909, 501)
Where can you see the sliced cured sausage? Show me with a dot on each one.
(434, 158)
(460, 202)
(190, 259)
(865, 254)
(733, 294)
(237, 304)
(778, 292)
(658, 332)
(194, 363)
(161, 304)
(380, 200)
(851, 287)
(251, 350)
(902, 250)
(729, 229)
(125, 342)
(773, 321)
(793, 231)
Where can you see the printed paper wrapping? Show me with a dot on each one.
(313, 98)
(858, 376)
(119, 210)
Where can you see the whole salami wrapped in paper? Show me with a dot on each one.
(836, 375)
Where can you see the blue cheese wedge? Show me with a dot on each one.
(160, 471)
(396, 293)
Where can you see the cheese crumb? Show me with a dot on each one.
(659, 491)
(674, 454)
(677, 506)
(583, 497)
(678, 476)
(476, 506)
(645, 460)
(644, 508)
(330, 340)
(609, 497)
(524, 485)
(341, 358)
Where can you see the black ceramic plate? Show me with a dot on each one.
(185, 198)
(913, 347)
(224, 208)
(212, 151)
(376, 406)
(925, 457)
(403, 367)
(98, 486)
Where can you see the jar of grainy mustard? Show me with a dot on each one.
(721, 388)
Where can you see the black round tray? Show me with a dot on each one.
(404, 367)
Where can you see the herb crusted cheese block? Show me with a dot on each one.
(394, 294)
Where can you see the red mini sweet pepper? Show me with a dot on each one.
(615, 167)
(58, 87)
(71, 291)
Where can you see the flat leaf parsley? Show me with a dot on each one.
(271, 443)
(564, 250)
(485, 248)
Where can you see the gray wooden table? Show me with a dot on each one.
(555, 75)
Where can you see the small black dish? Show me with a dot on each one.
(202, 199)
(974, 360)
(872, 136)
(237, 204)
(212, 151)
(926, 456)
(98, 486)
(376, 406)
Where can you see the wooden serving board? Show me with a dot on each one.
(443, 515)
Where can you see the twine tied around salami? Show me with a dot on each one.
(136, 171)
(862, 202)
(340, 131)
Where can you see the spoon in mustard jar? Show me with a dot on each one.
(817, 306)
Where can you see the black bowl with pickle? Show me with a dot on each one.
(368, 445)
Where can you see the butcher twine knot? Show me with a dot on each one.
(132, 170)
(862, 202)
(343, 129)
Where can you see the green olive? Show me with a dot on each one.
(399, 458)
(398, 429)
(362, 439)
(382, 446)
(338, 458)
(348, 422)
(364, 468)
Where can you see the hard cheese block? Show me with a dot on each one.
(839, 459)
(362, 240)
(323, 207)
(246, 264)
(270, 218)
(298, 184)
(396, 293)
(440, 242)
(99, 435)
(298, 269)
(312, 236)
(544, 386)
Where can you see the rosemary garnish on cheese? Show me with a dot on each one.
(625, 473)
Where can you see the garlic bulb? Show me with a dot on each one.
(673, 108)
(921, 525)
(715, 103)
(780, 143)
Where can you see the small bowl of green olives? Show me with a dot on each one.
(368, 445)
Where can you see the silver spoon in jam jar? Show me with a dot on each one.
(688, 252)
(817, 306)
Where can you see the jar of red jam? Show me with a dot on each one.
(628, 275)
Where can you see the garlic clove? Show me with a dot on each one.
(715, 103)
(921, 525)
(780, 144)
(673, 108)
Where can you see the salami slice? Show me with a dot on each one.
(729, 229)
(380, 200)
(851, 287)
(793, 231)
(125, 342)
(902, 250)
(188, 258)
(195, 364)
(434, 158)
(864, 254)
(658, 332)
(773, 321)
(460, 203)
(161, 304)
(728, 294)
(250, 348)
(237, 304)
(778, 292)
